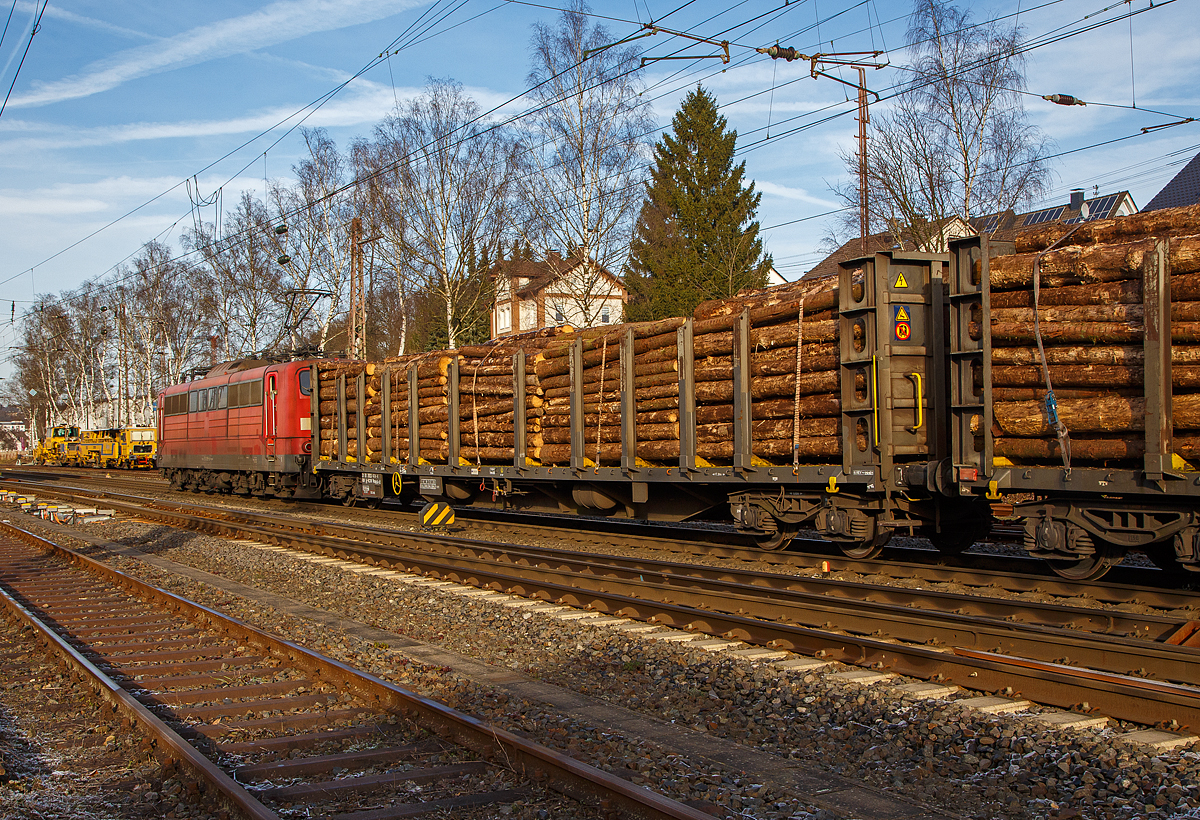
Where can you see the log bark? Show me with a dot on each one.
(1100, 415)
(334, 369)
(1128, 292)
(1074, 314)
(662, 332)
(1072, 265)
(1072, 355)
(1082, 449)
(1058, 333)
(818, 406)
(716, 392)
(1039, 393)
(771, 429)
(778, 450)
(1098, 376)
(771, 305)
(495, 455)
(765, 338)
(494, 439)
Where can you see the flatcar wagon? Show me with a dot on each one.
(912, 395)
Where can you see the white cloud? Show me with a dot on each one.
(91, 197)
(365, 103)
(772, 189)
(48, 206)
(276, 23)
(55, 13)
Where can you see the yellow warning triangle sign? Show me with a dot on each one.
(902, 314)
(901, 282)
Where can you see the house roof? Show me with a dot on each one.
(852, 250)
(541, 273)
(1002, 226)
(1007, 224)
(1183, 189)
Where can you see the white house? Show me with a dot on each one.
(556, 291)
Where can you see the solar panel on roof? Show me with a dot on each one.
(1048, 215)
(988, 224)
(1102, 207)
(1099, 208)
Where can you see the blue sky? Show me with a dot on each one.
(118, 102)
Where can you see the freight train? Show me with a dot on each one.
(859, 410)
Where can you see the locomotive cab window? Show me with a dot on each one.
(305, 382)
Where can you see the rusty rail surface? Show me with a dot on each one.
(1011, 573)
(146, 651)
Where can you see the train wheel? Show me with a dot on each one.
(866, 550)
(776, 540)
(1088, 567)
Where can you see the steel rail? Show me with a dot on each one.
(168, 743)
(1120, 696)
(1046, 614)
(1094, 619)
(985, 571)
(531, 760)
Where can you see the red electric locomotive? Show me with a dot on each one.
(243, 427)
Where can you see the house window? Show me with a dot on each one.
(558, 315)
(604, 315)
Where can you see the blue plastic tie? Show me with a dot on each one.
(1052, 409)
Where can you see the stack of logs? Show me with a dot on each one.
(793, 329)
(656, 390)
(328, 375)
(486, 398)
(1091, 318)
(1091, 326)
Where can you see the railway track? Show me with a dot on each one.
(1128, 666)
(1008, 572)
(274, 727)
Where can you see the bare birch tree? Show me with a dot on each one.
(586, 153)
(318, 234)
(451, 194)
(956, 140)
(239, 286)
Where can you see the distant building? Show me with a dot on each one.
(533, 294)
(1183, 190)
(1007, 224)
(1001, 226)
(949, 229)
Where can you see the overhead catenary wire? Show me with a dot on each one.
(338, 191)
(4, 34)
(37, 24)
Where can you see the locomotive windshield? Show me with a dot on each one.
(306, 382)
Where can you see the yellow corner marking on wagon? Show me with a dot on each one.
(901, 282)
(832, 487)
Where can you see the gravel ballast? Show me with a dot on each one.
(930, 751)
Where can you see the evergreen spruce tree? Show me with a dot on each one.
(696, 237)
